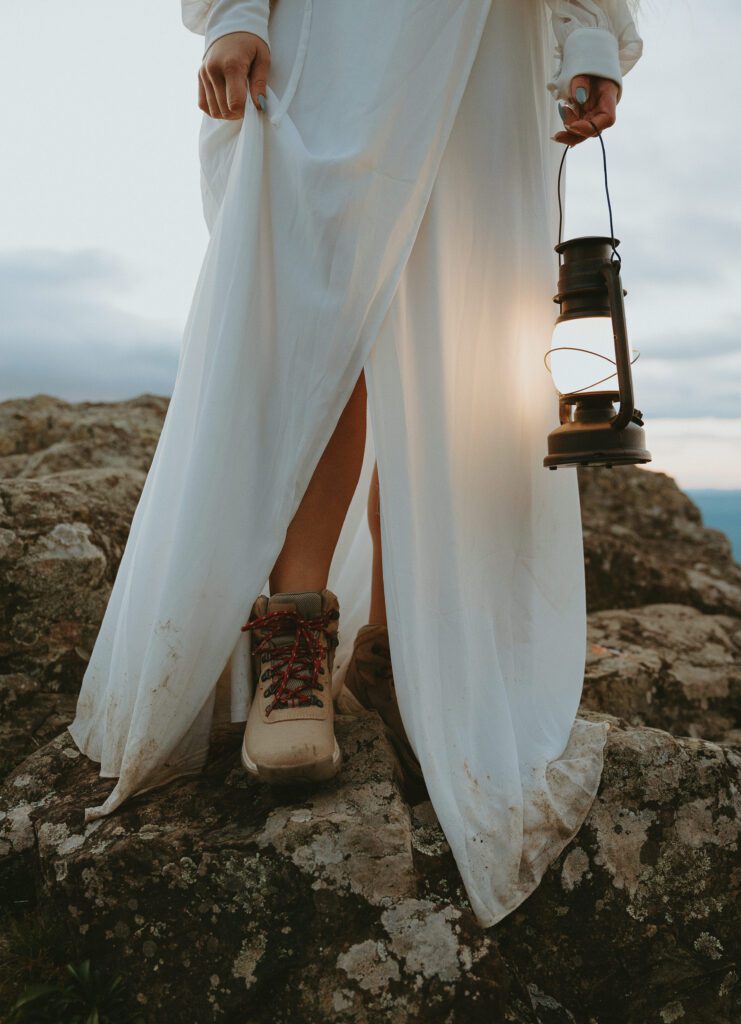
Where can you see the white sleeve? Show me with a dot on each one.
(593, 37)
(215, 18)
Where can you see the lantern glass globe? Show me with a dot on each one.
(583, 370)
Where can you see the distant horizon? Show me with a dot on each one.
(712, 490)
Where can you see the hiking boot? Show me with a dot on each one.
(289, 735)
(370, 679)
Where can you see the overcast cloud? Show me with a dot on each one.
(62, 333)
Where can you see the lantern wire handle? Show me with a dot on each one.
(615, 258)
(573, 348)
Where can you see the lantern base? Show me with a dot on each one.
(589, 439)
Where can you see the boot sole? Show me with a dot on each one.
(307, 771)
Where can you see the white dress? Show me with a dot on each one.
(395, 210)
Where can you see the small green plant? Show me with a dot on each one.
(83, 998)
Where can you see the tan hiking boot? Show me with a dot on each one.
(370, 679)
(289, 734)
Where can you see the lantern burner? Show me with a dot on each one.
(586, 436)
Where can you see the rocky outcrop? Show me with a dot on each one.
(669, 666)
(220, 899)
(30, 716)
(342, 904)
(302, 907)
(645, 543)
(638, 920)
(45, 436)
(70, 477)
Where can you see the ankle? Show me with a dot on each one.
(297, 583)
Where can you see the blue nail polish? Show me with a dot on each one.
(562, 112)
(581, 94)
(261, 101)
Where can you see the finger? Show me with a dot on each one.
(212, 107)
(259, 79)
(585, 126)
(215, 77)
(202, 97)
(235, 76)
(565, 135)
(606, 96)
(579, 89)
(568, 138)
(568, 115)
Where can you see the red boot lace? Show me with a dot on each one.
(304, 655)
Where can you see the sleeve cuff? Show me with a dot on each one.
(240, 19)
(588, 51)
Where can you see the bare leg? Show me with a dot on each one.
(312, 536)
(377, 613)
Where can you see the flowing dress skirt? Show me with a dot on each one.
(395, 211)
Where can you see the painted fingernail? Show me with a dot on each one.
(261, 101)
(562, 112)
(581, 94)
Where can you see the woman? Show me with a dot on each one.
(382, 212)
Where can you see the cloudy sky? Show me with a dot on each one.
(102, 236)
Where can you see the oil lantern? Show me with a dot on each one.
(590, 335)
